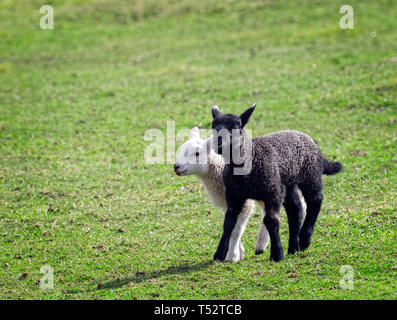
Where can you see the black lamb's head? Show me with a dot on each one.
(228, 128)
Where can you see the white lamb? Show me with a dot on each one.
(198, 158)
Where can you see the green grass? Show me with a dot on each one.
(76, 101)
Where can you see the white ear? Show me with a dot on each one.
(194, 133)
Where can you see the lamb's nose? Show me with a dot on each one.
(176, 167)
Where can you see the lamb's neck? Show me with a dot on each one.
(213, 182)
(215, 165)
(214, 172)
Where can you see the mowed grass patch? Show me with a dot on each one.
(75, 102)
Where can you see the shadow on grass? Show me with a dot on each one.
(143, 276)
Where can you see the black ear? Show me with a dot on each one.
(245, 116)
(215, 112)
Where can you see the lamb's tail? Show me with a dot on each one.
(331, 167)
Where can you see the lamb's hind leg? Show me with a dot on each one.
(303, 202)
(262, 239)
(293, 207)
(314, 197)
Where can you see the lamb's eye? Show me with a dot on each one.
(197, 153)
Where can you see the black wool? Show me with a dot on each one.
(278, 165)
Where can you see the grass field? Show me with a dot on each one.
(76, 101)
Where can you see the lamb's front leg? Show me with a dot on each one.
(231, 218)
(236, 249)
(242, 251)
(228, 226)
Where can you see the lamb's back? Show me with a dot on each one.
(289, 150)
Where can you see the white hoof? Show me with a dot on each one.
(233, 258)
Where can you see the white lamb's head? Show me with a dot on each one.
(193, 157)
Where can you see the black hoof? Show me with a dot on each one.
(304, 243)
(219, 257)
(258, 252)
(293, 250)
(277, 257)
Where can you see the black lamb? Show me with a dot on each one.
(270, 169)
